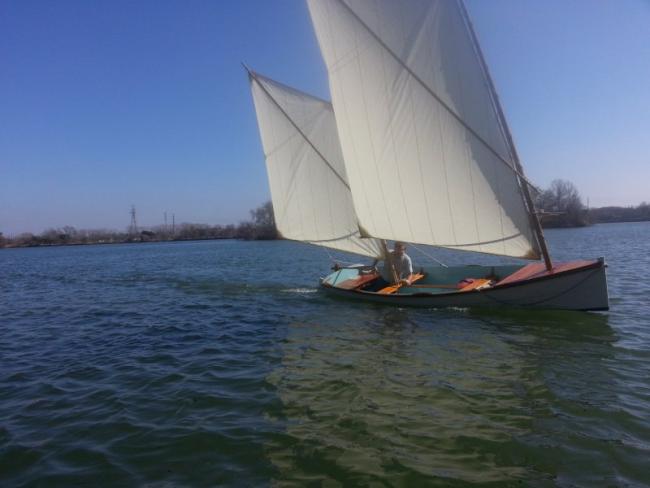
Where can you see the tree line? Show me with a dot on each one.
(261, 226)
(560, 205)
(621, 214)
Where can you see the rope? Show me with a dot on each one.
(428, 255)
(335, 261)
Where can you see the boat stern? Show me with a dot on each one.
(576, 285)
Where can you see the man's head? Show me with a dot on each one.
(400, 247)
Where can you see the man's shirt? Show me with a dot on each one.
(403, 267)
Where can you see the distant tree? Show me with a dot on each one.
(26, 239)
(621, 214)
(562, 199)
(52, 237)
(262, 225)
(246, 230)
(69, 231)
(263, 216)
(229, 231)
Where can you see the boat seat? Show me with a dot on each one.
(476, 284)
(357, 282)
(393, 288)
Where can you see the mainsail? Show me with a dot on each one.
(309, 188)
(426, 153)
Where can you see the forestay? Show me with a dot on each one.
(426, 156)
(309, 189)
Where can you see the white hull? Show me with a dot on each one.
(583, 288)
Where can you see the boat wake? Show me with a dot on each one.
(300, 290)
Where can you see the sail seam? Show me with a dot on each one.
(468, 156)
(310, 169)
(347, 117)
(334, 239)
(444, 166)
(294, 185)
(320, 155)
(471, 185)
(372, 145)
(417, 140)
(286, 188)
(434, 94)
(470, 171)
(397, 166)
(482, 243)
(290, 187)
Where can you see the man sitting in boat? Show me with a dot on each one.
(397, 269)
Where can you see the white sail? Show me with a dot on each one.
(426, 156)
(309, 189)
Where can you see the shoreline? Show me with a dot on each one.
(149, 241)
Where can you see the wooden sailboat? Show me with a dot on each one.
(415, 147)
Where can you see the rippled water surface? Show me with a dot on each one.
(219, 363)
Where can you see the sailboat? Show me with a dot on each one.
(413, 147)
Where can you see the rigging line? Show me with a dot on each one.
(428, 255)
(415, 135)
(329, 255)
(451, 111)
(253, 76)
(480, 243)
(354, 233)
(335, 261)
(326, 246)
(537, 226)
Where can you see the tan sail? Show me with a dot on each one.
(308, 181)
(427, 158)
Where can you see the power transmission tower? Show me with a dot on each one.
(133, 227)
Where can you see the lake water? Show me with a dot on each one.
(219, 363)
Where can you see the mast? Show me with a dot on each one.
(523, 182)
(388, 260)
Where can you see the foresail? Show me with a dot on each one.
(309, 189)
(427, 158)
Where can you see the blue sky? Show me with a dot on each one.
(105, 104)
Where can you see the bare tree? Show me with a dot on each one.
(262, 225)
(562, 199)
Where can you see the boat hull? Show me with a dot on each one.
(581, 287)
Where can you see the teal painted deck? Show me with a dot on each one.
(434, 275)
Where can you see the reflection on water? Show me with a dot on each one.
(416, 397)
(394, 397)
